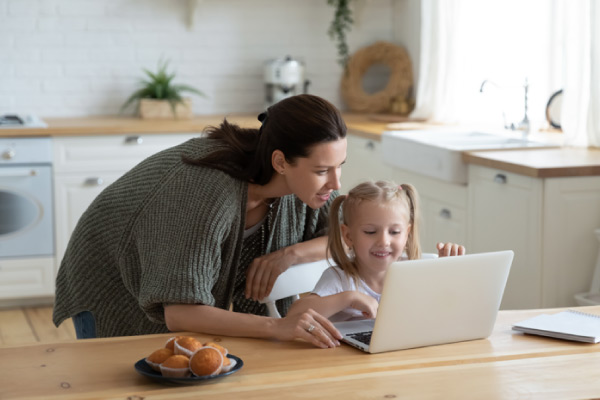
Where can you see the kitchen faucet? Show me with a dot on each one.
(524, 125)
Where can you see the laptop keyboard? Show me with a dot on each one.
(363, 337)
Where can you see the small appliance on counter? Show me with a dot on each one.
(21, 121)
(284, 77)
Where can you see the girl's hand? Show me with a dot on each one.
(309, 326)
(364, 303)
(450, 249)
(263, 272)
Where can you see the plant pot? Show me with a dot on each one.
(161, 109)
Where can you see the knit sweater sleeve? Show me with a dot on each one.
(187, 240)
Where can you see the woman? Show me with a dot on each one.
(192, 237)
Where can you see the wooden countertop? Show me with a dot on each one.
(541, 163)
(505, 365)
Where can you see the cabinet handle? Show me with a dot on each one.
(370, 145)
(500, 178)
(93, 182)
(445, 213)
(134, 140)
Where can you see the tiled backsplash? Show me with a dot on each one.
(85, 57)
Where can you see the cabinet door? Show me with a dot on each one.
(571, 215)
(444, 222)
(30, 277)
(73, 194)
(109, 152)
(363, 162)
(505, 213)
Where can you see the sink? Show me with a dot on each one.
(438, 153)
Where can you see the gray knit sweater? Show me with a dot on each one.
(166, 232)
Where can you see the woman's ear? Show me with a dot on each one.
(278, 161)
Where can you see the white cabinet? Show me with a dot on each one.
(27, 277)
(506, 214)
(85, 165)
(363, 162)
(549, 224)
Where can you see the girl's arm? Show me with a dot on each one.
(216, 321)
(264, 270)
(332, 304)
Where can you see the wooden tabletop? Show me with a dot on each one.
(506, 365)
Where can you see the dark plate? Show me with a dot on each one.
(144, 369)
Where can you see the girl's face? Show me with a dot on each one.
(313, 178)
(377, 233)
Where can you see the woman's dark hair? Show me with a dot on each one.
(292, 125)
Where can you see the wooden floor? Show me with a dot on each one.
(32, 325)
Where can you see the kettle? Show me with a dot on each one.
(284, 77)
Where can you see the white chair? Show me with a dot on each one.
(592, 298)
(298, 279)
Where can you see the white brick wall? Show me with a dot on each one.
(84, 57)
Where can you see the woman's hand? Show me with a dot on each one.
(450, 249)
(263, 272)
(309, 326)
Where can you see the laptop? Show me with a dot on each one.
(434, 301)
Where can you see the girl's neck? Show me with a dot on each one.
(373, 280)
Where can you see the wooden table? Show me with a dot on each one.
(506, 365)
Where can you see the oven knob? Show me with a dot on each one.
(9, 154)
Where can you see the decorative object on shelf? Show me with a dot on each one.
(341, 24)
(396, 97)
(159, 98)
(553, 109)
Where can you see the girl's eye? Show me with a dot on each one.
(396, 232)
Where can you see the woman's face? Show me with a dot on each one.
(313, 178)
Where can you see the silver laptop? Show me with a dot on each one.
(434, 301)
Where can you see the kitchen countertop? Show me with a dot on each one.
(541, 163)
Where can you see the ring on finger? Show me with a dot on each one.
(310, 328)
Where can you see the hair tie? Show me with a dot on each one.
(263, 116)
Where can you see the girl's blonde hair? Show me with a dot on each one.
(383, 192)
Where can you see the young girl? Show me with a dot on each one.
(379, 225)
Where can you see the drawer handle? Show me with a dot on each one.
(93, 182)
(500, 178)
(134, 140)
(370, 145)
(445, 213)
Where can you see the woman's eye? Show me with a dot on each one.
(369, 232)
(322, 172)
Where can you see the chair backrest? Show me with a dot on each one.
(298, 279)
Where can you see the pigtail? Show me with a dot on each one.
(335, 244)
(413, 244)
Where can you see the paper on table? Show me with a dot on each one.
(569, 325)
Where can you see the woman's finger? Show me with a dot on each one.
(250, 279)
(256, 282)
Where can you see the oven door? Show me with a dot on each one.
(26, 211)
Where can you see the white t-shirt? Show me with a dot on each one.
(334, 281)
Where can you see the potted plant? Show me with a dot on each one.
(341, 24)
(159, 98)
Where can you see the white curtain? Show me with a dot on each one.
(553, 44)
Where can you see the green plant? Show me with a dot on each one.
(159, 86)
(341, 24)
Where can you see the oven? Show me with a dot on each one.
(26, 210)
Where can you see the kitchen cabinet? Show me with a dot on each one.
(85, 165)
(27, 277)
(363, 162)
(548, 222)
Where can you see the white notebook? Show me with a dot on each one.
(569, 325)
